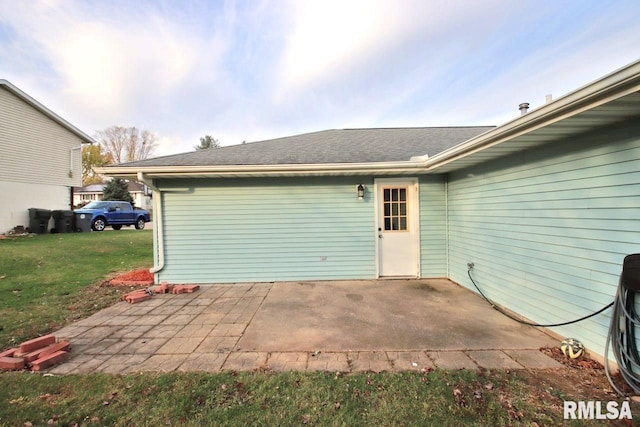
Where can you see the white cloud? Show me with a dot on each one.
(112, 64)
(270, 68)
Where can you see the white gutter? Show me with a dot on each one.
(221, 171)
(157, 221)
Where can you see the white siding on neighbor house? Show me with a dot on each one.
(39, 161)
(18, 197)
(35, 149)
(433, 226)
(548, 229)
(267, 230)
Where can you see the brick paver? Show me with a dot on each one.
(213, 344)
(493, 359)
(288, 361)
(245, 361)
(162, 362)
(374, 361)
(451, 360)
(122, 363)
(533, 359)
(409, 360)
(328, 362)
(180, 345)
(203, 362)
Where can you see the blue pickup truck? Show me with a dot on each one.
(114, 214)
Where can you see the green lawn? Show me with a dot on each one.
(439, 398)
(49, 280)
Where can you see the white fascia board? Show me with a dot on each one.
(265, 170)
(84, 138)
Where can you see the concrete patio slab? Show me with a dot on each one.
(315, 326)
(382, 314)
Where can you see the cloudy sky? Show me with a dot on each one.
(259, 69)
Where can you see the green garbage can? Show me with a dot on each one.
(63, 221)
(83, 222)
(39, 220)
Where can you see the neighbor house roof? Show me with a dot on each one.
(328, 146)
(5, 84)
(610, 99)
(98, 188)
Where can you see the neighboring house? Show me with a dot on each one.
(546, 206)
(93, 192)
(40, 159)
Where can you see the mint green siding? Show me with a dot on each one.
(548, 228)
(236, 230)
(433, 226)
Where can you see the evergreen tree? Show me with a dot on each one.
(117, 189)
(207, 142)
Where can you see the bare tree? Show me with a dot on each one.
(127, 144)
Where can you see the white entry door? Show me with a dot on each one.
(398, 227)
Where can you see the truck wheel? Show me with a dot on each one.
(99, 224)
(116, 227)
(140, 223)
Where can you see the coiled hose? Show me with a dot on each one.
(622, 336)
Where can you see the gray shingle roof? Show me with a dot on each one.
(329, 146)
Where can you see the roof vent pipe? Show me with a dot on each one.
(549, 98)
(524, 107)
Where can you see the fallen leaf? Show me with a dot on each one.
(4, 276)
(28, 424)
(337, 405)
(223, 386)
(105, 403)
(489, 386)
(457, 392)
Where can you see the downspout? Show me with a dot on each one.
(446, 219)
(157, 219)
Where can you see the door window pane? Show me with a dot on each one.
(395, 209)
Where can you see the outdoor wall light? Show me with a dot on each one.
(360, 189)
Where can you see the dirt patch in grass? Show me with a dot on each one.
(581, 379)
(140, 277)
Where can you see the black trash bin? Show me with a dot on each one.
(63, 222)
(39, 220)
(83, 222)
